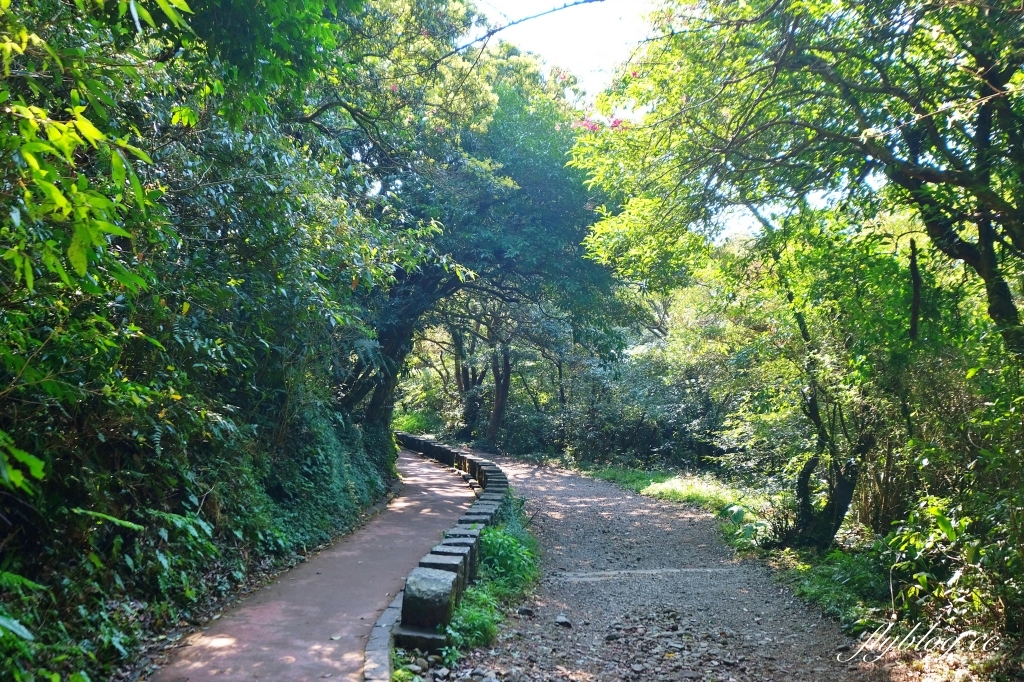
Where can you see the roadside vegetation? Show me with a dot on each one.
(239, 242)
(814, 217)
(221, 226)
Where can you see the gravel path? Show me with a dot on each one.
(649, 591)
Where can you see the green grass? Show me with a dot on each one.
(509, 567)
(701, 490)
(416, 422)
(851, 587)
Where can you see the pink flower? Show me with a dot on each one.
(394, 87)
(588, 124)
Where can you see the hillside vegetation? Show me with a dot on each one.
(241, 242)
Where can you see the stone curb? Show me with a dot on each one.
(490, 484)
(377, 665)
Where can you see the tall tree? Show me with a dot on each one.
(768, 101)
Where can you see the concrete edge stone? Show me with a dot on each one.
(490, 485)
(377, 654)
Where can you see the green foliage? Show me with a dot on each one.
(476, 619)
(418, 422)
(191, 275)
(850, 586)
(403, 675)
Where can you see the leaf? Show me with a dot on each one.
(106, 517)
(34, 464)
(53, 193)
(972, 372)
(140, 197)
(41, 147)
(117, 170)
(78, 251)
(30, 275)
(184, 116)
(136, 151)
(88, 130)
(110, 228)
(140, 11)
(734, 513)
(170, 13)
(14, 626)
(942, 521)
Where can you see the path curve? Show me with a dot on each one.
(313, 621)
(651, 592)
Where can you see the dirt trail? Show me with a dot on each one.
(312, 623)
(650, 592)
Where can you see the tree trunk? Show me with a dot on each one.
(502, 372)
(915, 282)
(980, 256)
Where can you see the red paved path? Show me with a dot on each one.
(284, 631)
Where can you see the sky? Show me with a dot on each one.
(588, 41)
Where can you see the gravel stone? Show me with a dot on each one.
(656, 595)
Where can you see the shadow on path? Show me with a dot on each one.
(313, 621)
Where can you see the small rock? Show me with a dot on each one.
(414, 669)
(563, 621)
(637, 668)
(442, 673)
(612, 636)
(843, 647)
(422, 663)
(525, 611)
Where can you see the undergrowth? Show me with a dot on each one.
(416, 422)
(90, 602)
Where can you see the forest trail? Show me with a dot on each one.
(313, 621)
(651, 592)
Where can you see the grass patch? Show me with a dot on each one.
(416, 422)
(509, 567)
(851, 587)
(700, 490)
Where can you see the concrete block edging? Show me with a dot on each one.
(486, 479)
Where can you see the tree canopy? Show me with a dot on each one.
(244, 242)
